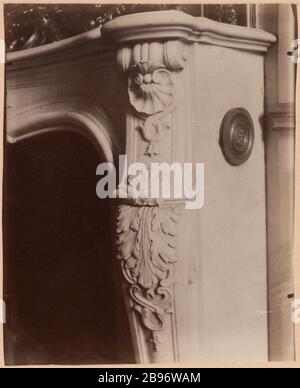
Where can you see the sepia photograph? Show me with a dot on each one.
(149, 183)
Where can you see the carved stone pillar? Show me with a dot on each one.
(173, 63)
(147, 229)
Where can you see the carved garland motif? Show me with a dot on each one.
(151, 93)
(146, 247)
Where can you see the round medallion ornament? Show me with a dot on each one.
(237, 136)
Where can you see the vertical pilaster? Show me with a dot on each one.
(147, 229)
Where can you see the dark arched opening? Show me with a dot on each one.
(61, 303)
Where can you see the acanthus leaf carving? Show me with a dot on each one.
(146, 247)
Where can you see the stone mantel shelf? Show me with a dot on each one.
(87, 41)
(157, 25)
(178, 25)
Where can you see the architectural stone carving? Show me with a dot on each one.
(151, 93)
(173, 30)
(181, 318)
(32, 25)
(153, 53)
(153, 130)
(75, 114)
(150, 87)
(172, 54)
(147, 229)
(146, 246)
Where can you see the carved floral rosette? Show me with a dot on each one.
(146, 248)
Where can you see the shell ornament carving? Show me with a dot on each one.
(146, 248)
(151, 93)
(150, 88)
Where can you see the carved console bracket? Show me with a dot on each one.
(147, 233)
(147, 228)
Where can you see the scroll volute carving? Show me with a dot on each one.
(151, 89)
(172, 54)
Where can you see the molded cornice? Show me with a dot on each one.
(157, 26)
(170, 25)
